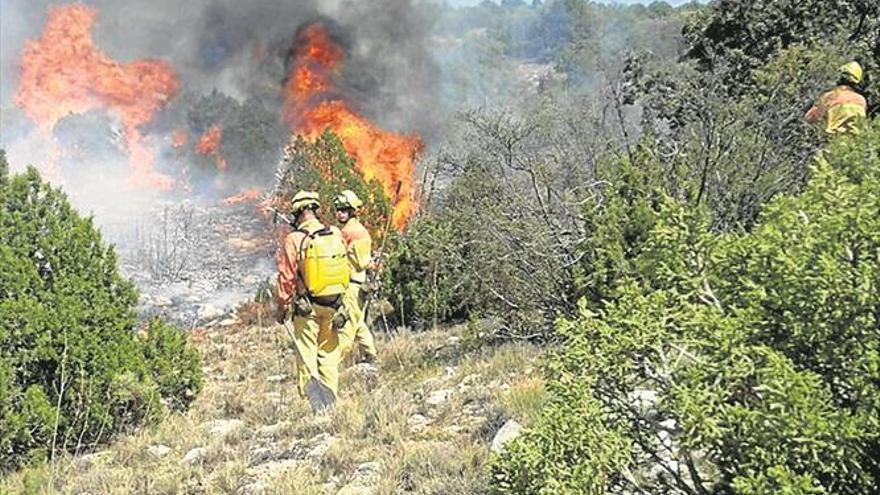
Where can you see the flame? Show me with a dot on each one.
(209, 145)
(246, 196)
(179, 138)
(63, 72)
(312, 104)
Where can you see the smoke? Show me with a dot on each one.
(231, 59)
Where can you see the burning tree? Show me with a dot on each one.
(325, 166)
(314, 105)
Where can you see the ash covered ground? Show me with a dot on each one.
(195, 261)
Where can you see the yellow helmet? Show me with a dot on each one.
(347, 199)
(852, 72)
(303, 200)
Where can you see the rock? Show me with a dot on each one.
(506, 434)
(322, 444)
(228, 322)
(417, 422)
(89, 460)
(209, 312)
(270, 470)
(158, 451)
(276, 378)
(367, 473)
(162, 301)
(365, 476)
(258, 487)
(645, 401)
(438, 397)
(194, 456)
(260, 455)
(224, 428)
(355, 490)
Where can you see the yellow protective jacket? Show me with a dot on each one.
(289, 283)
(360, 247)
(841, 108)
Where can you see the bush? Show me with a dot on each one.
(324, 166)
(72, 370)
(728, 363)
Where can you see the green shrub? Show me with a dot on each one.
(729, 363)
(427, 279)
(72, 370)
(326, 167)
(175, 366)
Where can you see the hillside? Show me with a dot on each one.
(422, 424)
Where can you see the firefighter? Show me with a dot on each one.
(312, 279)
(359, 246)
(843, 107)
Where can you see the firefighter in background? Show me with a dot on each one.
(843, 107)
(313, 276)
(359, 246)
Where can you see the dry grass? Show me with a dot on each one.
(280, 447)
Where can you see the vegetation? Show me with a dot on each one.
(275, 445)
(73, 371)
(711, 272)
(737, 363)
(633, 189)
(324, 166)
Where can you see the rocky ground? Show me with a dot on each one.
(424, 422)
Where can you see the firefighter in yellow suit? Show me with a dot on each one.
(843, 107)
(359, 247)
(311, 306)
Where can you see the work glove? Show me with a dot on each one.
(340, 319)
(281, 314)
(302, 306)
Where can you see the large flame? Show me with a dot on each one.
(313, 104)
(209, 145)
(63, 73)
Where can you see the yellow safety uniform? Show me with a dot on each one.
(842, 108)
(316, 340)
(360, 245)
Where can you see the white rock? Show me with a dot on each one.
(276, 378)
(158, 451)
(209, 312)
(365, 476)
(223, 428)
(438, 397)
(162, 301)
(89, 460)
(506, 434)
(194, 456)
(367, 473)
(417, 422)
(644, 400)
(271, 430)
(258, 487)
(322, 442)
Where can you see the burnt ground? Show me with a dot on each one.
(194, 262)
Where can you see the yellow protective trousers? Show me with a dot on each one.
(355, 330)
(317, 348)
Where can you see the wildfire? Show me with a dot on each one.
(179, 138)
(312, 104)
(63, 72)
(246, 196)
(209, 145)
